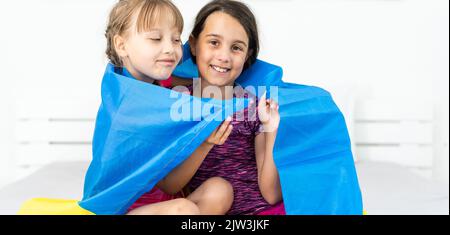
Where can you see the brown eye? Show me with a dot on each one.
(237, 48)
(214, 43)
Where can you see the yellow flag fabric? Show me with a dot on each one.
(48, 206)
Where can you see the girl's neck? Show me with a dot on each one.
(226, 91)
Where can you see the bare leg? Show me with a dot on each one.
(213, 197)
(178, 206)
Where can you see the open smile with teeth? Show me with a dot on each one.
(220, 69)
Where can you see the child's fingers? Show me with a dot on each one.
(215, 131)
(223, 127)
(226, 134)
(264, 96)
(262, 101)
(273, 105)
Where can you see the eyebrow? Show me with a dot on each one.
(156, 30)
(219, 36)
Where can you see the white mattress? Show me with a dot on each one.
(387, 188)
(56, 180)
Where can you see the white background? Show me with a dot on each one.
(396, 50)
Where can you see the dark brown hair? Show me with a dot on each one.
(241, 13)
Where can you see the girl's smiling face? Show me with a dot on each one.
(221, 50)
(152, 54)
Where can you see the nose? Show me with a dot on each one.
(223, 55)
(168, 46)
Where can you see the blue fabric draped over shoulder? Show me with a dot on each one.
(312, 151)
(137, 141)
(140, 136)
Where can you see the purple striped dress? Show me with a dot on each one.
(235, 161)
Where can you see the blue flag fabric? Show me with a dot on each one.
(312, 151)
(139, 138)
(136, 142)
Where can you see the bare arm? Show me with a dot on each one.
(182, 174)
(268, 178)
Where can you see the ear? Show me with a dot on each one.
(193, 45)
(119, 45)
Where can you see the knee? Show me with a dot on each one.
(183, 206)
(220, 190)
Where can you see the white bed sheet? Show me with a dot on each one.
(386, 188)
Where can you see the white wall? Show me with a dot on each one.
(391, 49)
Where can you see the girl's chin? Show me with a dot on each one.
(161, 77)
(219, 84)
(218, 81)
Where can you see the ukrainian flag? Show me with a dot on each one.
(137, 142)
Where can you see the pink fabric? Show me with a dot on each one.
(166, 83)
(277, 209)
(155, 195)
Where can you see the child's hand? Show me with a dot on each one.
(268, 114)
(220, 135)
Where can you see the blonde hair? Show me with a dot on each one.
(149, 12)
